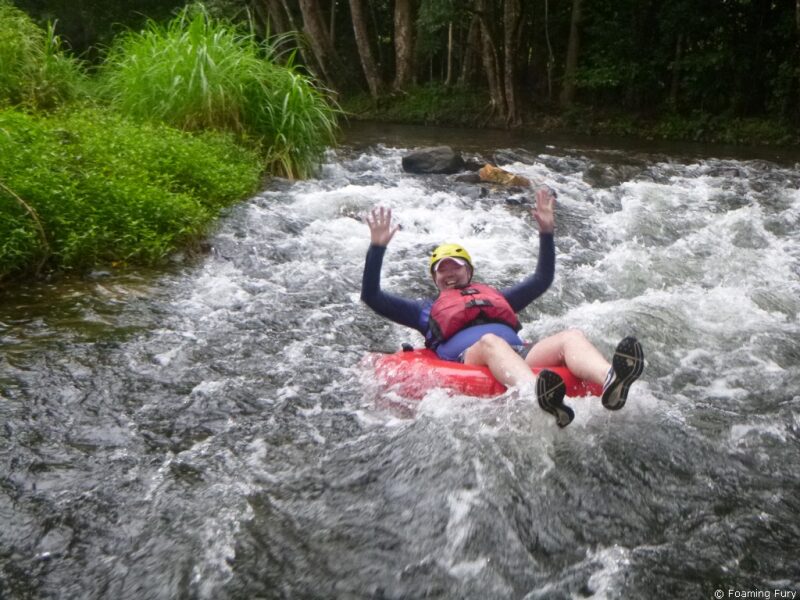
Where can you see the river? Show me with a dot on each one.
(208, 430)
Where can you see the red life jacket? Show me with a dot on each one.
(457, 309)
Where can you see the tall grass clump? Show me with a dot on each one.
(86, 188)
(35, 72)
(197, 72)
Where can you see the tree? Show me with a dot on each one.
(472, 49)
(403, 43)
(491, 64)
(371, 72)
(676, 73)
(331, 68)
(273, 15)
(276, 19)
(90, 24)
(794, 86)
(512, 18)
(573, 47)
(733, 57)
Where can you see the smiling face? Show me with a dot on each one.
(450, 273)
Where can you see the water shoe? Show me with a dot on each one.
(626, 367)
(550, 394)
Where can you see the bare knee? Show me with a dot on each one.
(489, 344)
(490, 341)
(553, 350)
(573, 335)
(488, 348)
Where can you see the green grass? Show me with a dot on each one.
(127, 167)
(199, 73)
(83, 188)
(34, 70)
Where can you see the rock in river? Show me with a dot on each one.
(440, 159)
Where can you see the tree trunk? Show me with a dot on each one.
(270, 16)
(449, 80)
(371, 72)
(676, 73)
(490, 62)
(794, 99)
(573, 48)
(644, 24)
(320, 42)
(471, 50)
(277, 19)
(403, 43)
(261, 18)
(288, 12)
(332, 28)
(511, 19)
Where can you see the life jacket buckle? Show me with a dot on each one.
(479, 302)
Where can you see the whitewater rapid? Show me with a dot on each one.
(210, 430)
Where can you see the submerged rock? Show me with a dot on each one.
(492, 174)
(473, 164)
(518, 200)
(607, 176)
(468, 178)
(440, 159)
(509, 156)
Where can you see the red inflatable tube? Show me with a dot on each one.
(412, 373)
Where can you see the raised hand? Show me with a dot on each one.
(544, 211)
(381, 230)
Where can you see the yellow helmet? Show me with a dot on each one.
(449, 251)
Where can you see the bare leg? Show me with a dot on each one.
(511, 370)
(570, 348)
(506, 365)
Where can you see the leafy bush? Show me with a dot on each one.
(198, 72)
(703, 127)
(35, 72)
(431, 104)
(82, 188)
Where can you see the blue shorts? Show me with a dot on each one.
(454, 348)
(521, 349)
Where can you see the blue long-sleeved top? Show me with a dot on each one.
(416, 313)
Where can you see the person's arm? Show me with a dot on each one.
(530, 288)
(400, 310)
(397, 309)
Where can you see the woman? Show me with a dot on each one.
(477, 324)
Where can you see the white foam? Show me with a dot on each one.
(207, 388)
(458, 533)
(741, 435)
(614, 566)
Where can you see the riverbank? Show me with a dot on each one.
(132, 160)
(457, 107)
(88, 187)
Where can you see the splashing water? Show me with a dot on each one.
(209, 431)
